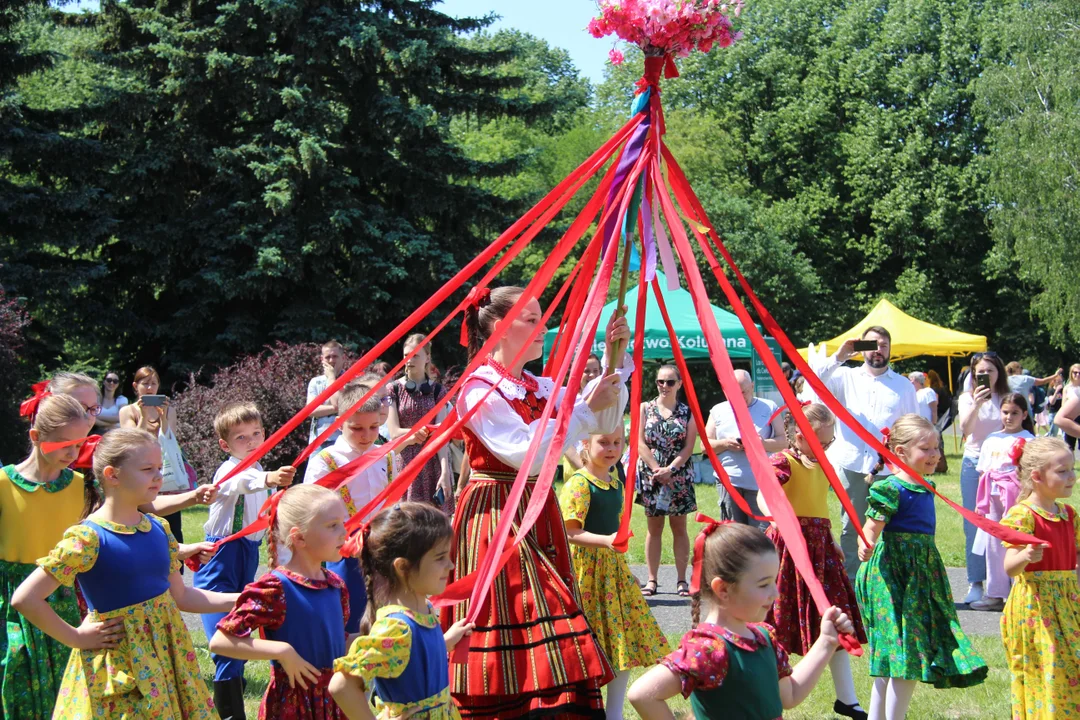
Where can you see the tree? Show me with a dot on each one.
(53, 210)
(287, 169)
(1030, 101)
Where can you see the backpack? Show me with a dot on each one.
(1038, 399)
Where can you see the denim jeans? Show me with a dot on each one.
(969, 488)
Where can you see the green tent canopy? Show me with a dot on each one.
(680, 307)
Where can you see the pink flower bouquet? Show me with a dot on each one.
(667, 27)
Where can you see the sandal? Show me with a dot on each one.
(683, 588)
(650, 591)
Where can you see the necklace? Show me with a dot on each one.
(527, 382)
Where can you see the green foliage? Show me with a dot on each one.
(1030, 101)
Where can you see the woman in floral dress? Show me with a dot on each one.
(665, 479)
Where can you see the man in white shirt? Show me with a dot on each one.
(877, 396)
(723, 435)
(333, 362)
(926, 396)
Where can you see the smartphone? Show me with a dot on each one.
(982, 379)
(154, 400)
(865, 346)
(440, 497)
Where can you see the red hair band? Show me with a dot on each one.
(699, 547)
(782, 408)
(1017, 450)
(355, 544)
(478, 297)
(29, 407)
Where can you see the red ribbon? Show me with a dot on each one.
(699, 548)
(1017, 450)
(886, 433)
(28, 408)
(782, 408)
(654, 65)
(355, 544)
(85, 461)
(48, 447)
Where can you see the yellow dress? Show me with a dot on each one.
(1041, 623)
(404, 657)
(153, 674)
(610, 598)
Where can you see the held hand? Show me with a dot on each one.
(662, 475)
(299, 670)
(457, 631)
(618, 330)
(100, 634)
(328, 371)
(834, 624)
(282, 477)
(731, 443)
(419, 437)
(1032, 554)
(981, 395)
(205, 494)
(847, 350)
(605, 394)
(204, 551)
(609, 541)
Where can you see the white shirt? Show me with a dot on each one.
(876, 401)
(735, 462)
(507, 436)
(925, 397)
(362, 487)
(987, 421)
(996, 448)
(112, 414)
(248, 487)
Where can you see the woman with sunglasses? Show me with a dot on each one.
(665, 477)
(979, 414)
(1068, 417)
(411, 397)
(112, 401)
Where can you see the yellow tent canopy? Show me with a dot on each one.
(910, 337)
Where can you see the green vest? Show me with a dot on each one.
(605, 506)
(750, 691)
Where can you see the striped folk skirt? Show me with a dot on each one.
(532, 653)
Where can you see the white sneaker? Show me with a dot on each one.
(988, 604)
(975, 593)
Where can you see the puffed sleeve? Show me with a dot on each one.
(261, 605)
(76, 553)
(1019, 517)
(701, 662)
(383, 653)
(782, 466)
(574, 498)
(174, 547)
(884, 500)
(1075, 523)
(783, 664)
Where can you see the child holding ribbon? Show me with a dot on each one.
(1042, 615)
(405, 554)
(914, 633)
(300, 608)
(732, 664)
(133, 657)
(794, 614)
(999, 489)
(592, 504)
(39, 499)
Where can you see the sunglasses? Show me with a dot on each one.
(980, 355)
(112, 380)
(668, 383)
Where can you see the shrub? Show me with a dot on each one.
(275, 380)
(14, 379)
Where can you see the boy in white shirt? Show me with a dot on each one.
(358, 436)
(240, 430)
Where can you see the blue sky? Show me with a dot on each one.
(560, 22)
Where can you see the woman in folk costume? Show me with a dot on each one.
(532, 653)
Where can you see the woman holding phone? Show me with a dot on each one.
(151, 412)
(1067, 418)
(979, 414)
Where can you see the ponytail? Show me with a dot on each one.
(483, 309)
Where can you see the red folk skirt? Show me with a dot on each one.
(794, 614)
(532, 653)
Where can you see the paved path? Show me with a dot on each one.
(673, 612)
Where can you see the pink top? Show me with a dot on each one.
(987, 421)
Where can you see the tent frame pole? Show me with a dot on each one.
(955, 441)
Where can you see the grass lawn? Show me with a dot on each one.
(990, 699)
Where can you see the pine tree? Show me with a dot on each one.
(288, 170)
